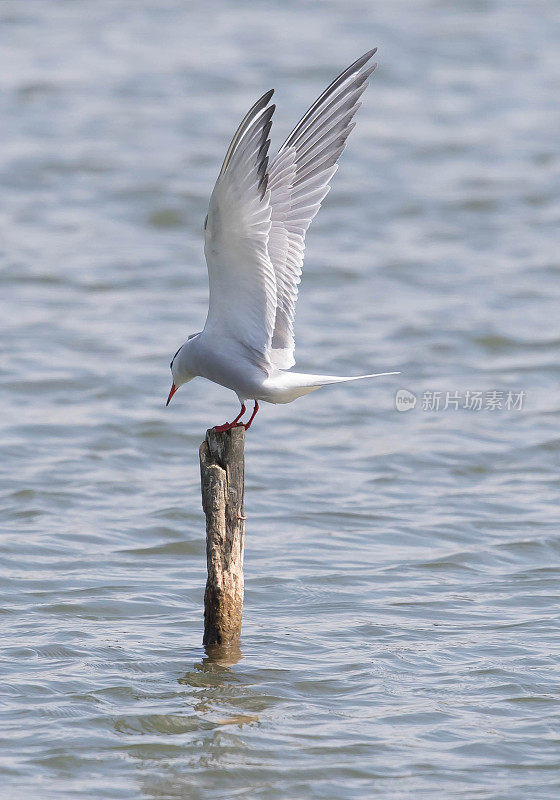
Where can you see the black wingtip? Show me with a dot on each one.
(362, 60)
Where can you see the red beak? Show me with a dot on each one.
(171, 393)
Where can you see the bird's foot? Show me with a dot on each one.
(227, 426)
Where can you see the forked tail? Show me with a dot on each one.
(325, 380)
(287, 386)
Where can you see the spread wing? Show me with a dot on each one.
(242, 303)
(299, 179)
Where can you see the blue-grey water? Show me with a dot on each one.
(401, 629)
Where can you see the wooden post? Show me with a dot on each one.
(222, 473)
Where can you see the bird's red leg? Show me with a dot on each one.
(252, 417)
(228, 425)
(238, 417)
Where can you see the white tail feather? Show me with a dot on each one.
(284, 387)
(325, 380)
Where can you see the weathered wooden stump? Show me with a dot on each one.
(222, 473)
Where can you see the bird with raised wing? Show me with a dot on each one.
(254, 242)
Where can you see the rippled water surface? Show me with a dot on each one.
(402, 569)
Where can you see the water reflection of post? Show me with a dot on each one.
(220, 657)
(222, 471)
